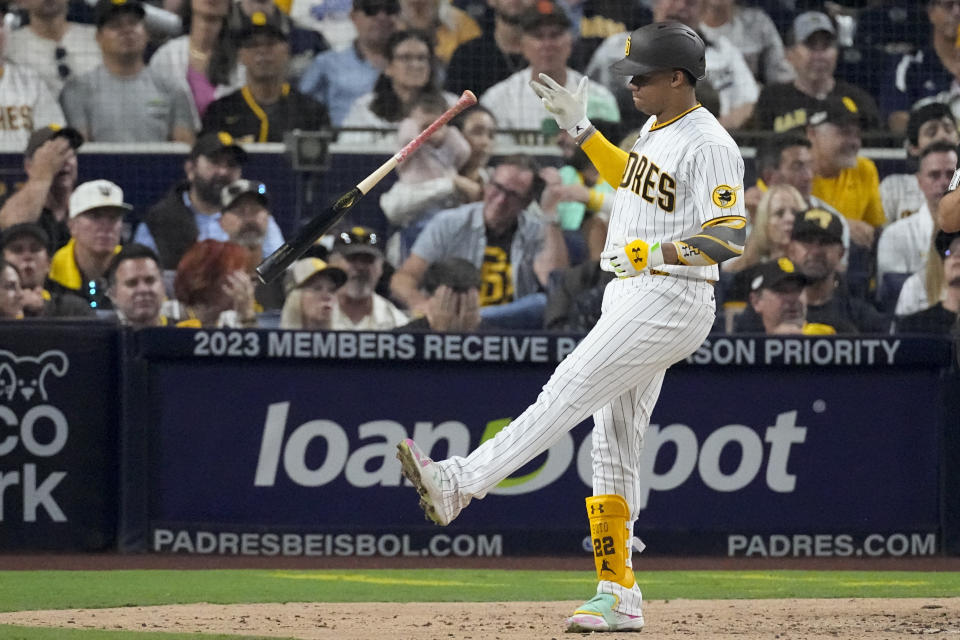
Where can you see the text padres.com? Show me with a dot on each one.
(828, 545)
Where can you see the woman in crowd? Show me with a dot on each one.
(11, 294)
(212, 286)
(313, 295)
(411, 71)
(202, 63)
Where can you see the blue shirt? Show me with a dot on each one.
(208, 227)
(337, 78)
(917, 75)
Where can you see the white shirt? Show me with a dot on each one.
(758, 40)
(517, 106)
(26, 105)
(904, 244)
(913, 295)
(384, 316)
(679, 175)
(79, 42)
(360, 116)
(901, 196)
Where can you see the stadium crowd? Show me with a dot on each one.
(472, 240)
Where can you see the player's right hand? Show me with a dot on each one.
(568, 109)
(629, 258)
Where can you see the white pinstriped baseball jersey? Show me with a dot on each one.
(25, 106)
(679, 175)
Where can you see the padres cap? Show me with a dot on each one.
(544, 13)
(107, 9)
(808, 23)
(776, 273)
(838, 110)
(97, 194)
(943, 241)
(663, 45)
(233, 191)
(212, 142)
(49, 132)
(357, 240)
(276, 25)
(817, 224)
(305, 269)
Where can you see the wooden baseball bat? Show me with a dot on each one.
(278, 261)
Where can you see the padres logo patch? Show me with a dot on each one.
(626, 51)
(724, 196)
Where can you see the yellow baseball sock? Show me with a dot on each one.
(609, 530)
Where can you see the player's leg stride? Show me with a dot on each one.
(618, 603)
(427, 476)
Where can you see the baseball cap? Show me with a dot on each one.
(233, 191)
(810, 22)
(276, 25)
(24, 229)
(543, 13)
(96, 194)
(107, 9)
(923, 114)
(354, 240)
(306, 268)
(838, 110)
(373, 7)
(943, 241)
(816, 224)
(212, 142)
(49, 132)
(770, 275)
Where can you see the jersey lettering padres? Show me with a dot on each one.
(680, 176)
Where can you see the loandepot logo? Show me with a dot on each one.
(759, 453)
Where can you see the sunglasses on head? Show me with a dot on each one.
(354, 237)
(62, 68)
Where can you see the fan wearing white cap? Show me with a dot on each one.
(96, 218)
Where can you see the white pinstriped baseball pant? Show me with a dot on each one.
(649, 322)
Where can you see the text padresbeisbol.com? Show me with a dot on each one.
(325, 544)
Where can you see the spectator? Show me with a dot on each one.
(452, 290)
(305, 44)
(574, 301)
(11, 295)
(939, 318)
(25, 246)
(313, 295)
(900, 193)
(844, 179)
(246, 220)
(358, 252)
(26, 103)
(447, 25)
(411, 71)
(816, 248)
(135, 286)
(778, 300)
(479, 126)
(53, 46)
(50, 162)
(546, 44)
(190, 211)
(925, 73)
(435, 165)
(753, 32)
(499, 48)
(213, 287)
(121, 100)
(813, 53)
(727, 71)
(202, 63)
(903, 245)
(338, 77)
(922, 286)
(330, 18)
(96, 219)
(266, 107)
(514, 248)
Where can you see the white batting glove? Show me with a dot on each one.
(568, 109)
(629, 258)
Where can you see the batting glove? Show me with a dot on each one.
(627, 259)
(568, 109)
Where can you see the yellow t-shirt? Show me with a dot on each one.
(854, 192)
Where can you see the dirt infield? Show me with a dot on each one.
(848, 619)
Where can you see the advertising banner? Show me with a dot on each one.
(59, 407)
(284, 443)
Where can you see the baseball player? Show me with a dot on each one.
(678, 213)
